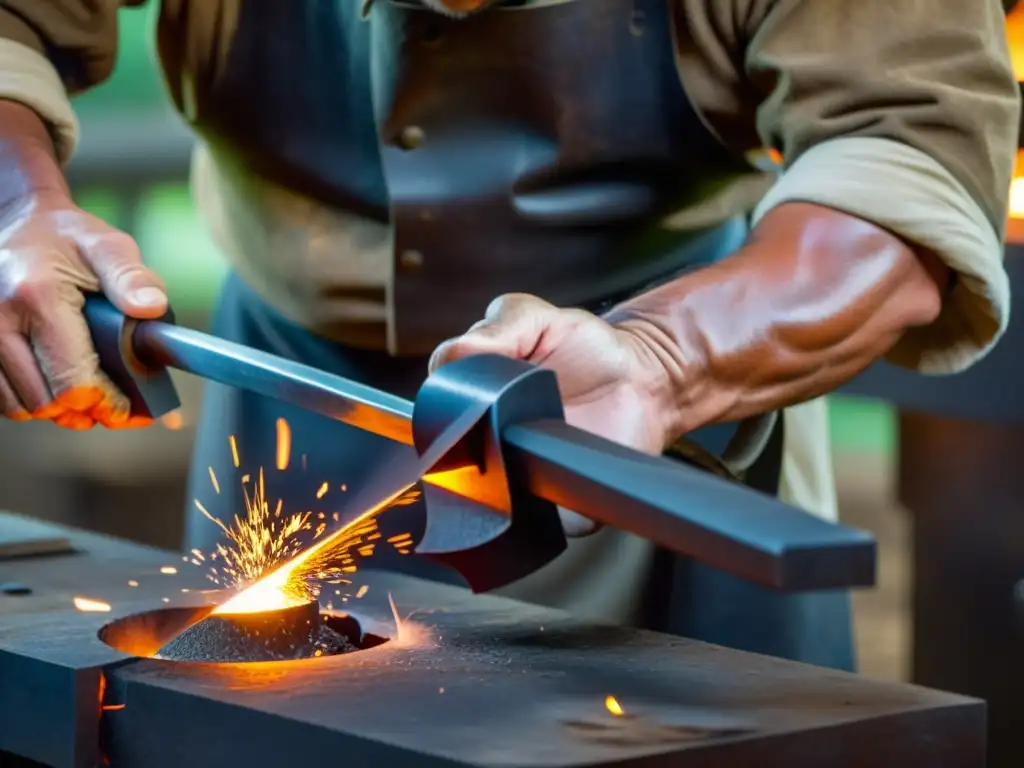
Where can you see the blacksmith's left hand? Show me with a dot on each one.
(613, 380)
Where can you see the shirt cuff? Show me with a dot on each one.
(909, 193)
(28, 77)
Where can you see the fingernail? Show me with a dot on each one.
(148, 297)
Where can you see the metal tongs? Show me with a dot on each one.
(497, 458)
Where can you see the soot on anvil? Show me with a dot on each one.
(284, 635)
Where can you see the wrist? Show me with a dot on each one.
(28, 158)
(670, 373)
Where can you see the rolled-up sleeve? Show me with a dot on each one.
(52, 48)
(905, 114)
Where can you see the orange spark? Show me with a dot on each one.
(169, 570)
(286, 587)
(613, 706)
(234, 450)
(363, 590)
(113, 707)
(322, 491)
(173, 420)
(257, 540)
(88, 605)
(284, 444)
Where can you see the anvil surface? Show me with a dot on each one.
(468, 680)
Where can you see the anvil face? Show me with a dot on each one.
(464, 680)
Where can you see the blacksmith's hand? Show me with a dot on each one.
(51, 253)
(612, 380)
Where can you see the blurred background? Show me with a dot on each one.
(132, 171)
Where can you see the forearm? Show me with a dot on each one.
(28, 158)
(813, 298)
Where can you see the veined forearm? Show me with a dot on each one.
(812, 299)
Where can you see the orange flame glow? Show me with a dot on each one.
(88, 605)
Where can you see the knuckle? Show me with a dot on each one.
(32, 293)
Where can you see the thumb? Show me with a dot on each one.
(512, 326)
(129, 284)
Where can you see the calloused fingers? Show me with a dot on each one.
(74, 421)
(23, 376)
(63, 347)
(10, 403)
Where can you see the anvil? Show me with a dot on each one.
(491, 440)
(463, 681)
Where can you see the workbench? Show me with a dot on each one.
(464, 680)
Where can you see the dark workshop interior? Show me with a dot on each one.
(931, 468)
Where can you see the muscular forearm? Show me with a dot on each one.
(28, 160)
(812, 299)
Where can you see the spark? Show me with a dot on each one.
(133, 583)
(113, 707)
(168, 570)
(284, 444)
(613, 706)
(287, 585)
(256, 540)
(166, 599)
(363, 590)
(88, 605)
(213, 480)
(173, 420)
(234, 450)
(344, 488)
(322, 491)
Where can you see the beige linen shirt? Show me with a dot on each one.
(903, 113)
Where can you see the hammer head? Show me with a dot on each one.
(481, 519)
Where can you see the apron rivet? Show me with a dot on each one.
(411, 137)
(411, 259)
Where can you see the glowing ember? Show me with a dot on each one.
(173, 420)
(284, 444)
(613, 706)
(91, 606)
(169, 570)
(133, 583)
